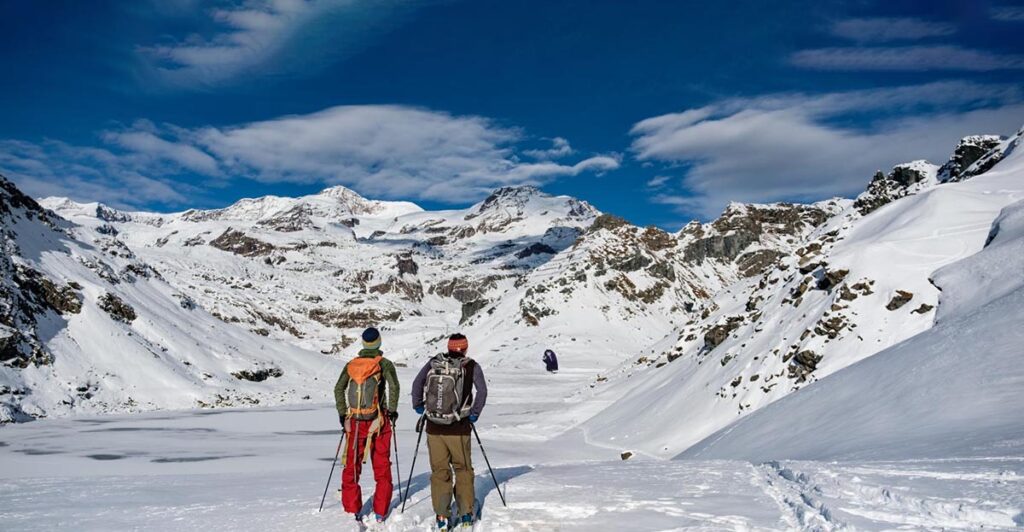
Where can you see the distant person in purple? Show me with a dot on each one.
(550, 361)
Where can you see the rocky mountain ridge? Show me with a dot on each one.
(856, 284)
(519, 271)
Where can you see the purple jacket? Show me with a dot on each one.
(550, 360)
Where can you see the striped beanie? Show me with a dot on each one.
(458, 343)
(371, 338)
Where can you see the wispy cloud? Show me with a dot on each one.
(143, 139)
(907, 58)
(53, 168)
(559, 148)
(1007, 13)
(657, 182)
(883, 29)
(792, 146)
(385, 151)
(255, 36)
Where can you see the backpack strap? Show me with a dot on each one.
(468, 367)
(377, 424)
(371, 434)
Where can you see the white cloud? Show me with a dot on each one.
(794, 147)
(149, 145)
(559, 148)
(907, 58)
(86, 174)
(658, 181)
(385, 151)
(1007, 13)
(267, 37)
(884, 29)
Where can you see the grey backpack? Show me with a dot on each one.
(446, 399)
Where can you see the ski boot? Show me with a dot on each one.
(443, 522)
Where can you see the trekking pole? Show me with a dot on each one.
(398, 468)
(333, 464)
(495, 479)
(419, 428)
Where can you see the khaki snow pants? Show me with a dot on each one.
(447, 453)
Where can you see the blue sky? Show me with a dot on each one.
(657, 111)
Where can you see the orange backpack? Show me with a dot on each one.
(363, 388)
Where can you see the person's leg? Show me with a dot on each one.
(462, 462)
(381, 456)
(440, 475)
(351, 494)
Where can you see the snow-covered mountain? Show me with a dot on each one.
(921, 398)
(700, 326)
(86, 325)
(860, 282)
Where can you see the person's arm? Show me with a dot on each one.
(417, 387)
(391, 377)
(481, 391)
(339, 391)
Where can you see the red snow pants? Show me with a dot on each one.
(380, 456)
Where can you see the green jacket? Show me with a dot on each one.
(387, 369)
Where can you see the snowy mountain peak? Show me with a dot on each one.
(291, 214)
(341, 192)
(354, 203)
(524, 200)
(505, 197)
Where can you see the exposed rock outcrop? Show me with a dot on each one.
(257, 375)
(902, 297)
(239, 243)
(969, 151)
(117, 308)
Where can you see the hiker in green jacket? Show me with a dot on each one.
(368, 423)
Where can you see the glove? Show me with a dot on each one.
(341, 419)
(393, 416)
(419, 410)
(473, 418)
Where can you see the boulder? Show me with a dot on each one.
(901, 298)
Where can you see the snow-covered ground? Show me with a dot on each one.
(265, 469)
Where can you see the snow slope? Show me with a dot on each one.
(953, 391)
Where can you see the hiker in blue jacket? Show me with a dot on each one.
(550, 360)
